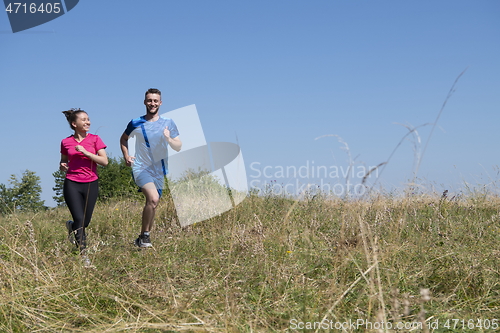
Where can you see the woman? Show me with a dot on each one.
(80, 154)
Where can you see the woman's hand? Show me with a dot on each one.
(63, 166)
(82, 150)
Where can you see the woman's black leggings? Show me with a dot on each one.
(80, 199)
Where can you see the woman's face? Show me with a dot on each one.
(82, 123)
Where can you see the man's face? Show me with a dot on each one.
(152, 102)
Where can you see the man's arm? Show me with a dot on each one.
(124, 147)
(174, 143)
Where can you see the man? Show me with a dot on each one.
(149, 165)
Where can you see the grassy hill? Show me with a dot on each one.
(271, 264)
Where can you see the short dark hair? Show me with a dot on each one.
(152, 91)
(71, 116)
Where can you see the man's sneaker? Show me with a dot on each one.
(143, 241)
(71, 233)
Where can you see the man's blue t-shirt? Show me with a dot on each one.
(151, 148)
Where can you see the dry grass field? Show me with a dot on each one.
(418, 263)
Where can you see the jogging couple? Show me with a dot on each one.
(82, 151)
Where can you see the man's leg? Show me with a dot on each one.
(148, 214)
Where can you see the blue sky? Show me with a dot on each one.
(271, 76)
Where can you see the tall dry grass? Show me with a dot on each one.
(271, 264)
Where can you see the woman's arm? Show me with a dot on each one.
(63, 164)
(100, 158)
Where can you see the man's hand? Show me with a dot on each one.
(129, 160)
(166, 133)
